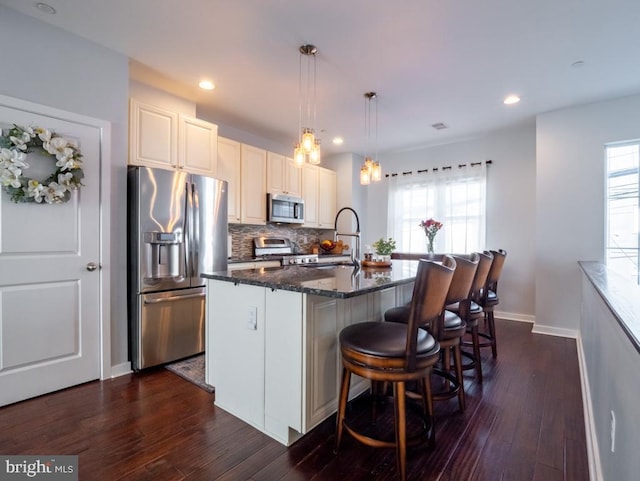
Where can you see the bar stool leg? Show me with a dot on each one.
(342, 406)
(401, 428)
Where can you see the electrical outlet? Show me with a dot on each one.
(252, 318)
(613, 432)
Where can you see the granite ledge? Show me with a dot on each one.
(329, 281)
(619, 294)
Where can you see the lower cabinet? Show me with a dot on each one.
(326, 317)
(273, 356)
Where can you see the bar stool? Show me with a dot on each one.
(489, 300)
(471, 312)
(386, 352)
(450, 328)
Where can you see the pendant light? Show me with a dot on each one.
(308, 147)
(370, 170)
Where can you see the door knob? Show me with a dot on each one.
(92, 266)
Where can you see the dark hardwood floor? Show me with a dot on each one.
(525, 423)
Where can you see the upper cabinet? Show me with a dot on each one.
(319, 193)
(310, 176)
(253, 185)
(327, 202)
(161, 138)
(283, 177)
(197, 146)
(229, 170)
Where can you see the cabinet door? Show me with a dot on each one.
(253, 174)
(153, 136)
(276, 173)
(324, 367)
(292, 178)
(326, 198)
(198, 141)
(235, 350)
(229, 170)
(283, 362)
(310, 194)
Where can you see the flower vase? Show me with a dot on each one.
(430, 245)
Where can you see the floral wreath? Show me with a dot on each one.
(56, 188)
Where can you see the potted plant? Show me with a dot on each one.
(383, 249)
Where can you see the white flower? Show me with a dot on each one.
(54, 193)
(43, 134)
(21, 142)
(55, 146)
(9, 177)
(65, 181)
(13, 157)
(35, 189)
(65, 159)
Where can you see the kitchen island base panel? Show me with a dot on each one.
(282, 377)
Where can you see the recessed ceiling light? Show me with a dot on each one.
(439, 126)
(338, 140)
(577, 64)
(206, 85)
(511, 99)
(46, 8)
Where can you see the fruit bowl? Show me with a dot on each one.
(332, 247)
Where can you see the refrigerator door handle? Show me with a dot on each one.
(173, 298)
(187, 231)
(194, 233)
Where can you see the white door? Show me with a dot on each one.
(49, 301)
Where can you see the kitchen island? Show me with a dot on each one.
(272, 349)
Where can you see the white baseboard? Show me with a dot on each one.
(512, 316)
(593, 452)
(555, 331)
(121, 369)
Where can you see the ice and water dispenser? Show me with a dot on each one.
(163, 254)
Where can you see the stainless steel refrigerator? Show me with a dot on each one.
(177, 229)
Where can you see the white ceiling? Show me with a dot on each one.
(430, 61)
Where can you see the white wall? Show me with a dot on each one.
(51, 67)
(510, 203)
(570, 185)
(607, 350)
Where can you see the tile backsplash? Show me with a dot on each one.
(242, 237)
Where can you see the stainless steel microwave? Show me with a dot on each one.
(285, 208)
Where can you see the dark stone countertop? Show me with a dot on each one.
(330, 281)
(620, 294)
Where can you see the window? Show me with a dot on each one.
(455, 197)
(623, 213)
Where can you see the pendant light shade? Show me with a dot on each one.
(307, 148)
(370, 170)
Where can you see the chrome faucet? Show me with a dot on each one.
(355, 254)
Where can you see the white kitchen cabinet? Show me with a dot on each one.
(319, 193)
(253, 185)
(310, 176)
(283, 177)
(280, 349)
(242, 321)
(235, 349)
(197, 146)
(153, 137)
(161, 138)
(229, 170)
(327, 186)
